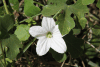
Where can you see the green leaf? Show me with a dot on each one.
(87, 2)
(30, 9)
(74, 45)
(14, 4)
(79, 10)
(6, 22)
(65, 22)
(53, 7)
(4, 34)
(57, 56)
(98, 4)
(13, 45)
(22, 32)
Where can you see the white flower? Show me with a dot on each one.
(49, 37)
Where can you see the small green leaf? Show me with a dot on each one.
(98, 4)
(29, 20)
(13, 45)
(14, 4)
(57, 56)
(22, 32)
(74, 45)
(87, 2)
(30, 9)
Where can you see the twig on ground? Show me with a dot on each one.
(63, 63)
(82, 62)
(93, 46)
(21, 3)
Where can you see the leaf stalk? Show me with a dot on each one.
(5, 6)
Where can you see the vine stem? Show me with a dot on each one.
(30, 17)
(4, 2)
(38, 3)
(3, 55)
(57, 13)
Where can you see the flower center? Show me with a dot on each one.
(49, 35)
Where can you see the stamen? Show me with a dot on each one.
(49, 35)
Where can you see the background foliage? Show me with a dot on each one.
(78, 20)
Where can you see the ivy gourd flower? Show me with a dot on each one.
(49, 37)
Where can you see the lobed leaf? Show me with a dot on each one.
(87, 2)
(79, 10)
(65, 22)
(53, 7)
(13, 44)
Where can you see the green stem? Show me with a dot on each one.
(3, 55)
(4, 2)
(2, 62)
(26, 47)
(38, 3)
(57, 13)
(30, 17)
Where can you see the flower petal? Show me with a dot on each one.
(56, 32)
(48, 23)
(37, 31)
(58, 45)
(43, 46)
